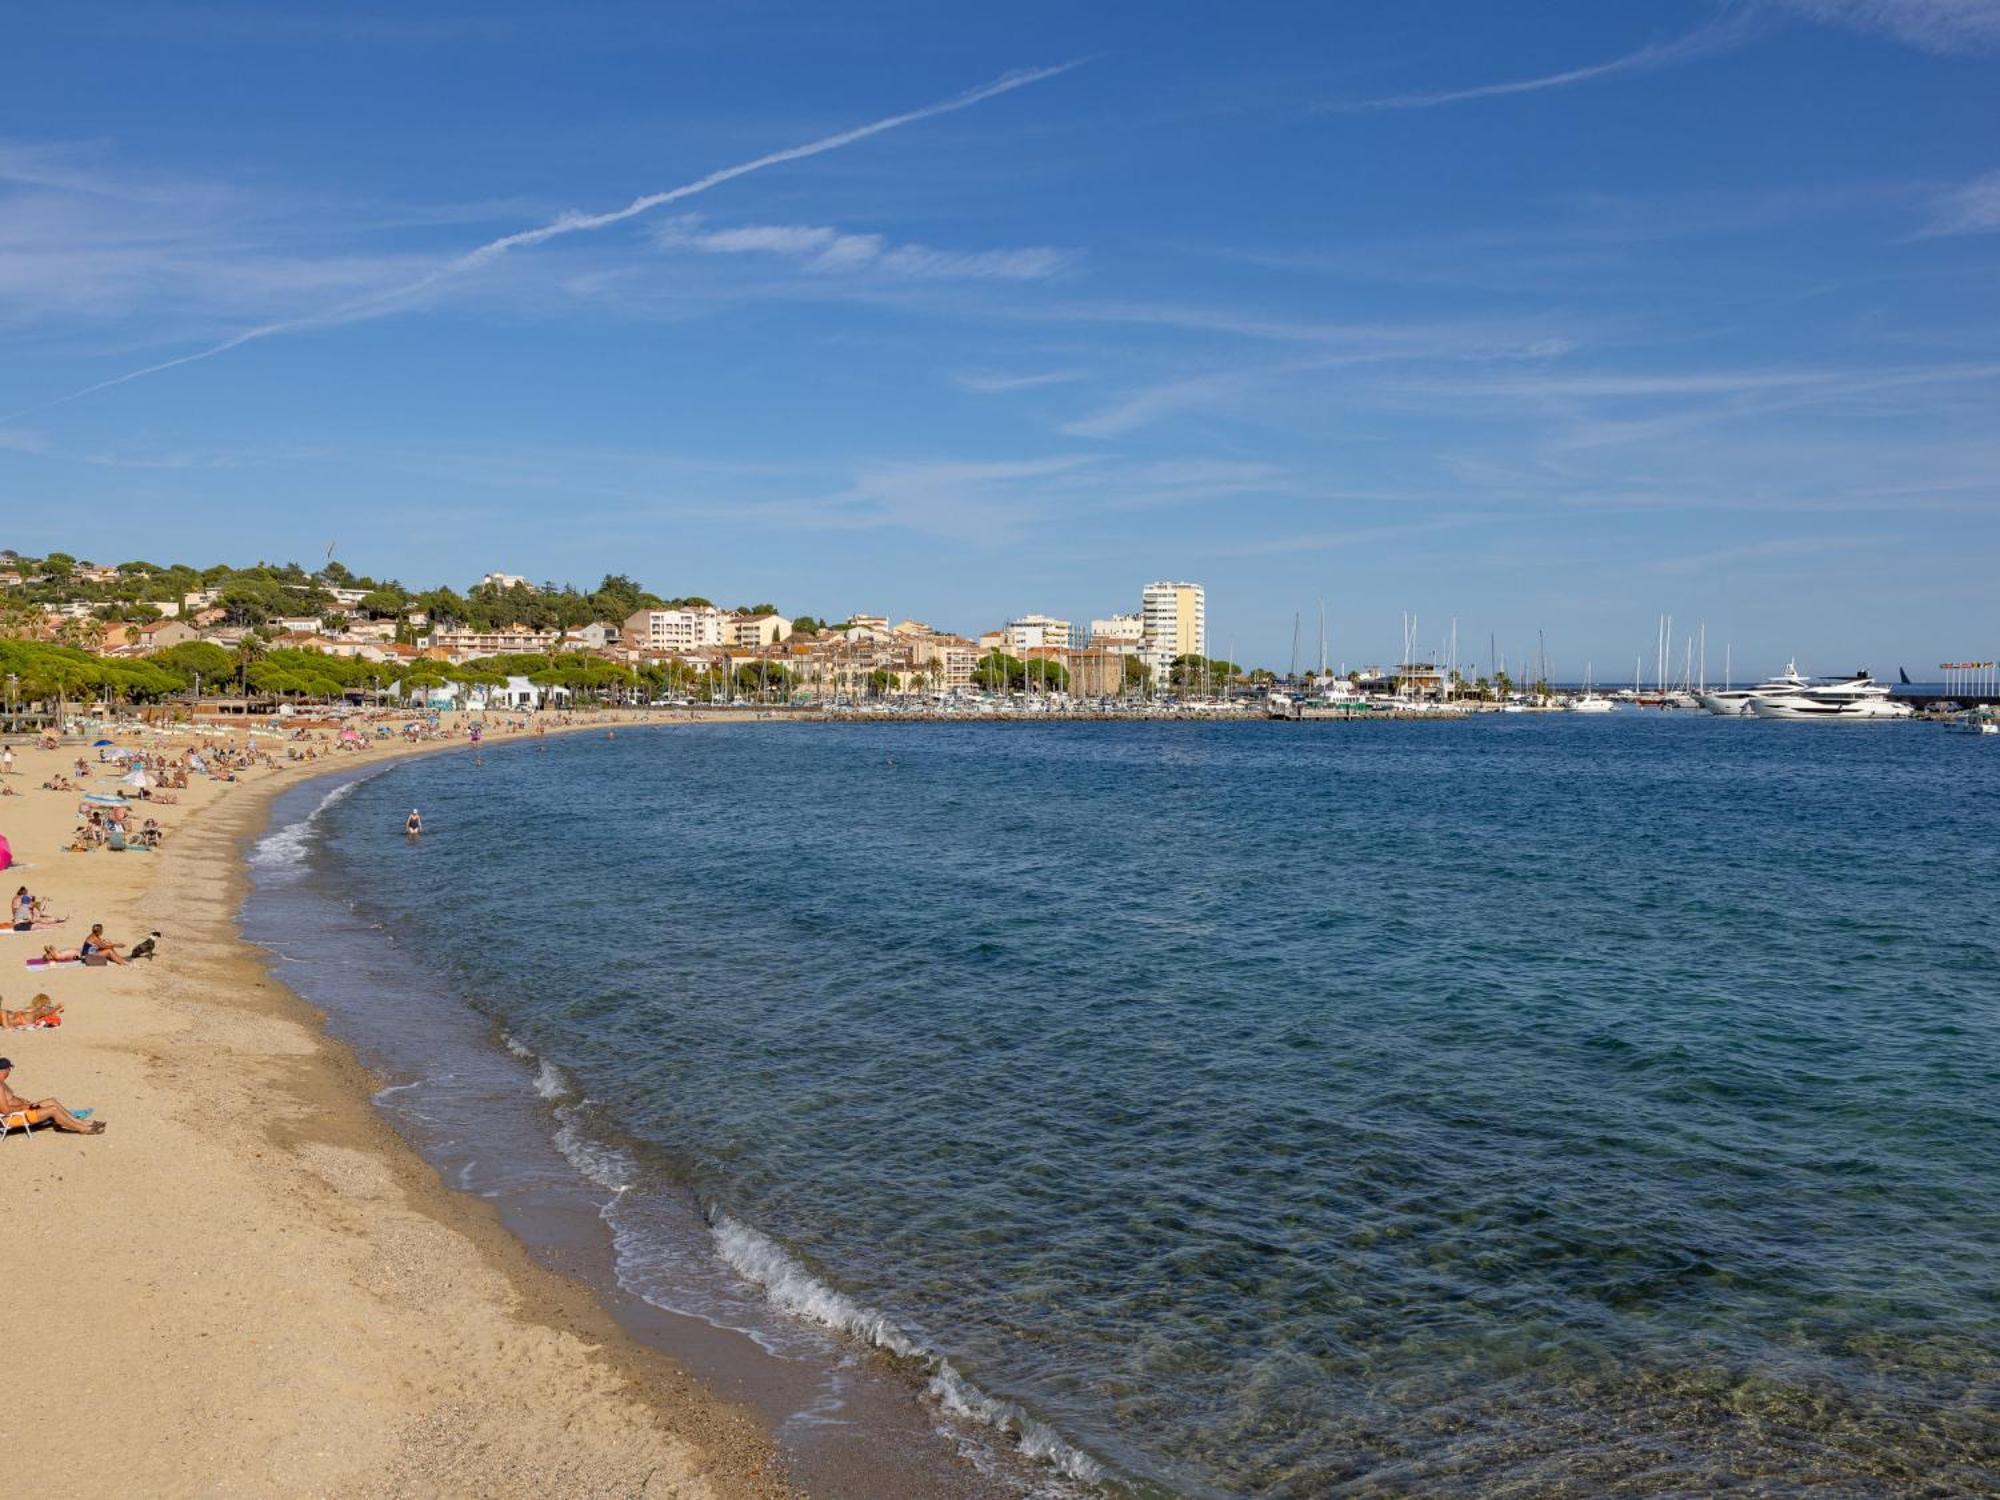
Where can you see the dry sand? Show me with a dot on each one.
(249, 1286)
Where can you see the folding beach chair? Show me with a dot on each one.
(23, 1120)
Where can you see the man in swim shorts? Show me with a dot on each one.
(38, 1110)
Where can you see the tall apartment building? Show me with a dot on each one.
(677, 629)
(1030, 632)
(1174, 619)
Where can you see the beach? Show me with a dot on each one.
(249, 1285)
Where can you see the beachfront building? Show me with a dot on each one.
(765, 629)
(1174, 619)
(1034, 632)
(689, 628)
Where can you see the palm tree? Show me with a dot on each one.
(248, 651)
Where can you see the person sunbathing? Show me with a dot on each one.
(34, 1112)
(44, 1012)
(97, 945)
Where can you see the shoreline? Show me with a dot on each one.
(253, 1283)
(847, 1420)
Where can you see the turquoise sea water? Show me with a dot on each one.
(1537, 1106)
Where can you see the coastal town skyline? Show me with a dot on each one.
(1546, 322)
(139, 607)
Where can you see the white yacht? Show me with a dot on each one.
(1857, 698)
(1735, 702)
(1590, 703)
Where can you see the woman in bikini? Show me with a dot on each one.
(44, 1012)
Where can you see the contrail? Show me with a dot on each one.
(1732, 30)
(572, 223)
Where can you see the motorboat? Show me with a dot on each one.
(1859, 698)
(1735, 702)
(1982, 720)
(1591, 703)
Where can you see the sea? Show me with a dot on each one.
(1528, 1105)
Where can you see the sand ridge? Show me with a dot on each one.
(250, 1285)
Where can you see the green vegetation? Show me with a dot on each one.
(997, 672)
(258, 595)
(1200, 673)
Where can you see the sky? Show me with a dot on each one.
(1543, 319)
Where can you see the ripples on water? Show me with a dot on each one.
(1509, 1107)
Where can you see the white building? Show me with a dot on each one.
(505, 581)
(1035, 632)
(669, 630)
(1119, 630)
(1174, 619)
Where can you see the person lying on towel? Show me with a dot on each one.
(44, 1012)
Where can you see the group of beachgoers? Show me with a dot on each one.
(42, 1013)
(106, 820)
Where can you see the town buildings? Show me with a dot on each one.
(1031, 632)
(692, 628)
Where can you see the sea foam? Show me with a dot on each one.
(284, 850)
(792, 1288)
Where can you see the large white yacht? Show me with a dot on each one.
(1735, 702)
(1856, 698)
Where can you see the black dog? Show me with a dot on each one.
(146, 947)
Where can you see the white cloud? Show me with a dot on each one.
(1934, 25)
(1971, 209)
(821, 248)
(1143, 408)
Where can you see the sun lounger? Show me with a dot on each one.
(23, 1120)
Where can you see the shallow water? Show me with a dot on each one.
(1529, 1106)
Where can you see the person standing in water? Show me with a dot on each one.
(414, 823)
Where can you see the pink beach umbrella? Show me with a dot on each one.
(6, 853)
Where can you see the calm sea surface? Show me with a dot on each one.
(1526, 1106)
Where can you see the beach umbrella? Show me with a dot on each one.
(138, 778)
(104, 799)
(95, 744)
(6, 853)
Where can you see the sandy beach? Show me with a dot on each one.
(249, 1285)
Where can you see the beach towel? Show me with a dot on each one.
(47, 1023)
(67, 963)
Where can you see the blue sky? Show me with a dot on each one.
(1544, 317)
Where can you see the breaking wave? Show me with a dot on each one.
(283, 850)
(789, 1286)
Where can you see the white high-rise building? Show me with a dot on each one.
(1173, 619)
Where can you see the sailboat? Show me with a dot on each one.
(1591, 701)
